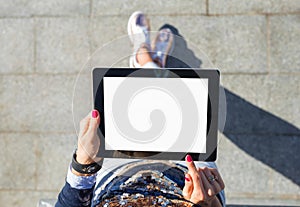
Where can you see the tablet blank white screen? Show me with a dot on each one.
(137, 98)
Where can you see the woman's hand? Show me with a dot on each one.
(202, 184)
(88, 139)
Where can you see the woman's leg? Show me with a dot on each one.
(144, 58)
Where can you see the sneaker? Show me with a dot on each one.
(138, 30)
(162, 46)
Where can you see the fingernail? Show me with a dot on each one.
(189, 158)
(187, 179)
(94, 113)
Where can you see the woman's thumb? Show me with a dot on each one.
(95, 120)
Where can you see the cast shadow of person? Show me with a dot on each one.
(181, 56)
(266, 137)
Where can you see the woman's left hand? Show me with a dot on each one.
(202, 184)
(88, 139)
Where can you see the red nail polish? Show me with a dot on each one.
(189, 158)
(94, 113)
(187, 179)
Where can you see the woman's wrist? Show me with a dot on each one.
(79, 174)
(83, 165)
(82, 158)
(213, 202)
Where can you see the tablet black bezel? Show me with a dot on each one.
(213, 77)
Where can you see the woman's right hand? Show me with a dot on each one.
(202, 184)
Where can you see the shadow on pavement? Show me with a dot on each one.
(264, 136)
(181, 55)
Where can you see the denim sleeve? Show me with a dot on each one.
(77, 192)
(72, 197)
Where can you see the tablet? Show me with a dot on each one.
(160, 114)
